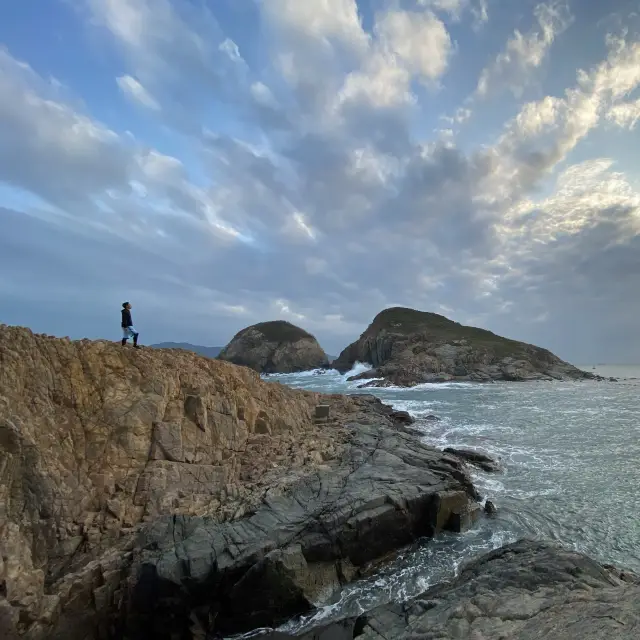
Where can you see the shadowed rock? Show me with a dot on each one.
(275, 347)
(524, 591)
(299, 546)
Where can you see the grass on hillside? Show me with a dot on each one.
(408, 321)
(279, 331)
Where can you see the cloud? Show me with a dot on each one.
(418, 39)
(525, 53)
(302, 185)
(136, 92)
(625, 114)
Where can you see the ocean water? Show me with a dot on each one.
(571, 457)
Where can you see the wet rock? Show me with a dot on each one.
(403, 417)
(476, 458)
(490, 508)
(524, 591)
(432, 418)
(387, 491)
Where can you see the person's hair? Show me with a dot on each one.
(124, 304)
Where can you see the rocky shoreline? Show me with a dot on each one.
(528, 590)
(159, 494)
(161, 490)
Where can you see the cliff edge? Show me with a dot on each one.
(138, 485)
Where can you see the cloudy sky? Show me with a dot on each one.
(223, 162)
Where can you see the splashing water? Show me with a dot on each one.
(571, 454)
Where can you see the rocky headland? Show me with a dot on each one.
(159, 494)
(275, 347)
(407, 347)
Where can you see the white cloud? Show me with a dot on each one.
(419, 39)
(328, 19)
(626, 114)
(135, 91)
(382, 83)
(524, 53)
(334, 181)
(230, 48)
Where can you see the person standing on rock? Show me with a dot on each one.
(128, 330)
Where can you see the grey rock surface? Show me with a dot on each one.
(476, 458)
(300, 545)
(524, 591)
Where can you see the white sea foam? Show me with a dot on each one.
(357, 369)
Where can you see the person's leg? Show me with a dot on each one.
(134, 334)
(125, 336)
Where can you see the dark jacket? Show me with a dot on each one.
(126, 319)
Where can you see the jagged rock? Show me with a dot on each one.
(408, 347)
(476, 458)
(387, 491)
(490, 508)
(403, 417)
(97, 441)
(275, 347)
(524, 591)
(432, 418)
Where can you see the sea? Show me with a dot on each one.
(571, 458)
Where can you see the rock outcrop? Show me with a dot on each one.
(524, 591)
(299, 546)
(476, 458)
(408, 347)
(118, 467)
(275, 347)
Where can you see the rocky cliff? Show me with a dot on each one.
(275, 347)
(142, 489)
(408, 347)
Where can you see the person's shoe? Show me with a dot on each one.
(136, 346)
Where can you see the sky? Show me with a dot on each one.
(223, 162)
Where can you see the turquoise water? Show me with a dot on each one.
(571, 453)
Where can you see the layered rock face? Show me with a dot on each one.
(125, 473)
(408, 347)
(300, 545)
(275, 347)
(96, 438)
(524, 591)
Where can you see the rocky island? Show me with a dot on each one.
(275, 347)
(407, 347)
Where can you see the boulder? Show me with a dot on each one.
(476, 458)
(403, 417)
(275, 347)
(407, 347)
(490, 508)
